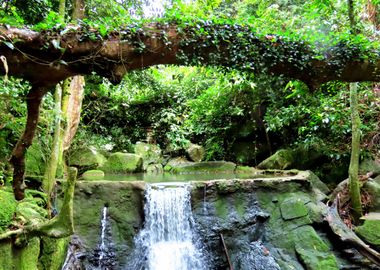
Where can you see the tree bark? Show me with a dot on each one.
(33, 102)
(37, 58)
(78, 9)
(56, 149)
(353, 171)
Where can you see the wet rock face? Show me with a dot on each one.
(265, 224)
(237, 219)
(124, 218)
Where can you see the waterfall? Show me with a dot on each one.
(102, 248)
(167, 240)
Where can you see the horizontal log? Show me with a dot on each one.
(49, 56)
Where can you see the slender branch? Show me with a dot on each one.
(33, 101)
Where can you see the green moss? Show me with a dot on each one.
(123, 163)
(370, 232)
(312, 250)
(221, 207)
(293, 208)
(150, 153)
(8, 207)
(53, 253)
(26, 258)
(203, 167)
(240, 204)
(93, 175)
(87, 158)
(281, 160)
(6, 256)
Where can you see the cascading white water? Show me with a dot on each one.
(167, 238)
(102, 247)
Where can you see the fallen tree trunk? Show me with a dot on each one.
(50, 56)
(346, 235)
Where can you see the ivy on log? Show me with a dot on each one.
(50, 56)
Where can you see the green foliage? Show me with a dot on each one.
(12, 114)
(322, 117)
(18, 12)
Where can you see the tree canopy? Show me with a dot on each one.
(54, 51)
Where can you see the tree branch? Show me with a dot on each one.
(33, 101)
(53, 55)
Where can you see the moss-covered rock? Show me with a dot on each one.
(8, 206)
(125, 213)
(150, 153)
(53, 253)
(293, 208)
(301, 158)
(370, 232)
(281, 160)
(195, 152)
(369, 165)
(155, 169)
(93, 175)
(119, 163)
(26, 258)
(313, 251)
(6, 256)
(201, 167)
(175, 162)
(86, 158)
(372, 186)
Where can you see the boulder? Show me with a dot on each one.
(93, 175)
(372, 186)
(87, 158)
(119, 163)
(370, 230)
(195, 152)
(150, 153)
(312, 250)
(281, 160)
(369, 165)
(155, 168)
(201, 167)
(175, 162)
(293, 208)
(301, 158)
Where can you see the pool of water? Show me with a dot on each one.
(169, 177)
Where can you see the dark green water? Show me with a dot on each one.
(169, 177)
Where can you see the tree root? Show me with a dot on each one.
(346, 235)
(60, 226)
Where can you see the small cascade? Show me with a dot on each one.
(102, 247)
(167, 240)
(104, 256)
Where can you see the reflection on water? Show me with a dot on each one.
(169, 177)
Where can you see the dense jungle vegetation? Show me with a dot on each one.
(242, 79)
(236, 115)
